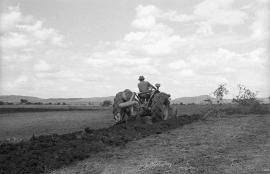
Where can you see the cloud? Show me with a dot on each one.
(190, 54)
(14, 40)
(260, 26)
(206, 15)
(20, 82)
(42, 34)
(42, 66)
(10, 19)
(202, 56)
(24, 42)
(145, 17)
(220, 12)
(95, 62)
(19, 30)
(223, 65)
(178, 64)
(154, 38)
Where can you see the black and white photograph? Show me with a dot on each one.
(134, 86)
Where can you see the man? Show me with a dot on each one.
(121, 97)
(145, 88)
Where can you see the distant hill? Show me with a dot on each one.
(97, 100)
(196, 100)
(79, 101)
(70, 101)
(17, 98)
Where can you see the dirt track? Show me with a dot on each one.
(235, 144)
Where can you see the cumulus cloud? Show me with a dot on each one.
(178, 64)
(260, 26)
(199, 57)
(10, 19)
(206, 15)
(223, 44)
(220, 12)
(24, 40)
(20, 82)
(154, 38)
(42, 66)
(145, 17)
(42, 34)
(14, 40)
(19, 30)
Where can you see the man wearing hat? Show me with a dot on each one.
(145, 88)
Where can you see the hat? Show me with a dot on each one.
(141, 78)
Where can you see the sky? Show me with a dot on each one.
(90, 48)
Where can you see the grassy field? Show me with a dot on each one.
(22, 121)
(24, 124)
(237, 143)
(44, 108)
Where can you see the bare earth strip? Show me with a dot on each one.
(235, 144)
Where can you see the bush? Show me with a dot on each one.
(247, 103)
(24, 101)
(106, 103)
(245, 96)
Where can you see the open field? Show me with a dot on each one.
(236, 143)
(44, 108)
(23, 121)
(233, 144)
(25, 124)
(44, 153)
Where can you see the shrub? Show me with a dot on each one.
(247, 103)
(245, 96)
(106, 103)
(24, 101)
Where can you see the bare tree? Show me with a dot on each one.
(220, 92)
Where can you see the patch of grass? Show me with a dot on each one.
(254, 108)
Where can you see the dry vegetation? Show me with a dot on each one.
(232, 144)
(235, 142)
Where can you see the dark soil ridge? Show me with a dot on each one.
(48, 152)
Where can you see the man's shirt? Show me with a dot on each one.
(144, 86)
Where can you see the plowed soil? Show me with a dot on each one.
(46, 153)
(235, 144)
